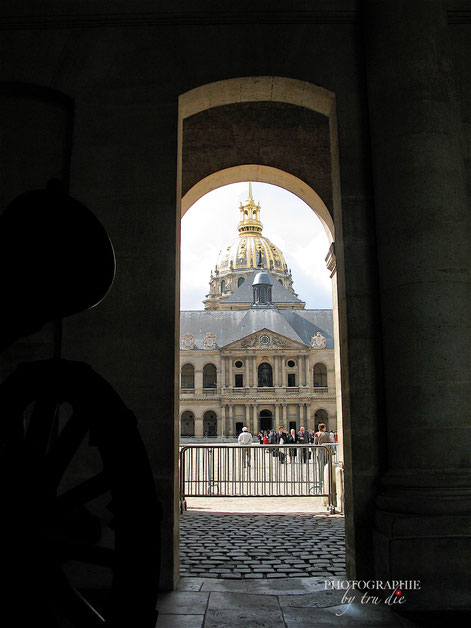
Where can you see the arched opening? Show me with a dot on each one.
(240, 281)
(209, 376)
(321, 416)
(266, 420)
(265, 375)
(210, 424)
(238, 427)
(320, 375)
(223, 286)
(195, 183)
(187, 427)
(187, 381)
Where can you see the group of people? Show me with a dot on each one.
(281, 437)
(302, 437)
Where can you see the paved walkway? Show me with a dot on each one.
(253, 546)
(287, 602)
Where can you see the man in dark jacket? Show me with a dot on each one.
(303, 439)
(282, 438)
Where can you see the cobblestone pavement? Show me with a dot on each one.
(255, 546)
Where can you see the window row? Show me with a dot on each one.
(265, 376)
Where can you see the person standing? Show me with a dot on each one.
(282, 439)
(322, 438)
(292, 438)
(245, 438)
(303, 439)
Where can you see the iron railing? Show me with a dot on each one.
(233, 470)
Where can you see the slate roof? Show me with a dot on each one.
(231, 325)
(244, 293)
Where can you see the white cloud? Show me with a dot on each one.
(211, 224)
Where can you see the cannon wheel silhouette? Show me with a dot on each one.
(76, 485)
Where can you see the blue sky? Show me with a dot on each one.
(211, 224)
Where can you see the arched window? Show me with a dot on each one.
(266, 420)
(240, 281)
(187, 423)
(188, 376)
(210, 423)
(265, 375)
(321, 416)
(320, 376)
(223, 286)
(209, 376)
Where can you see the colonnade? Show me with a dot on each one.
(303, 370)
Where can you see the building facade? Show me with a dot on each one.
(255, 356)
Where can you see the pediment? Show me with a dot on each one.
(265, 339)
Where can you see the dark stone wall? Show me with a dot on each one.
(275, 134)
(124, 64)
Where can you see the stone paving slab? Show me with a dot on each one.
(183, 602)
(246, 618)
(268, 604)
(285, 586)
(180, 621)
(342, 616)
(253, 546)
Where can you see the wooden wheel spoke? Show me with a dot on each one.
(84, 492)
(64, 448)
(41, 426)
(85, 552)
(73, 604)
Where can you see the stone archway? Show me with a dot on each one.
(193, 182)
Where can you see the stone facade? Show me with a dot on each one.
(262, 379)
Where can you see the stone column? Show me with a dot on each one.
(423, 526)
(224, 421)
(276, 371)
(283, 371)
(198, 426)
(309, 422)
(198, 381)
(307, 372)
(231, 376)
(254, 371)
(254, 418)
(277, 416)
(248, 417)
(231, 430)
(246, 372)
(285, 413)
(223, 371)
(300, 381)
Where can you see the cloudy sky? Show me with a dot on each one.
(211, 224)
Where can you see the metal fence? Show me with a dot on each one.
(257, 471)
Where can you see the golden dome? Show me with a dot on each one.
(249, 251)
(244, 252)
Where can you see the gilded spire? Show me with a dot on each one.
(250, 216)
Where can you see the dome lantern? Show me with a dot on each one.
(250, 216)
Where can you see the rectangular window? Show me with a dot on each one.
(239, 380)
(291, 379)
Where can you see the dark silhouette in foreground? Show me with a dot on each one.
(80, 518)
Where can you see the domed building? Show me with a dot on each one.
(250, 250)
(255, 355)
